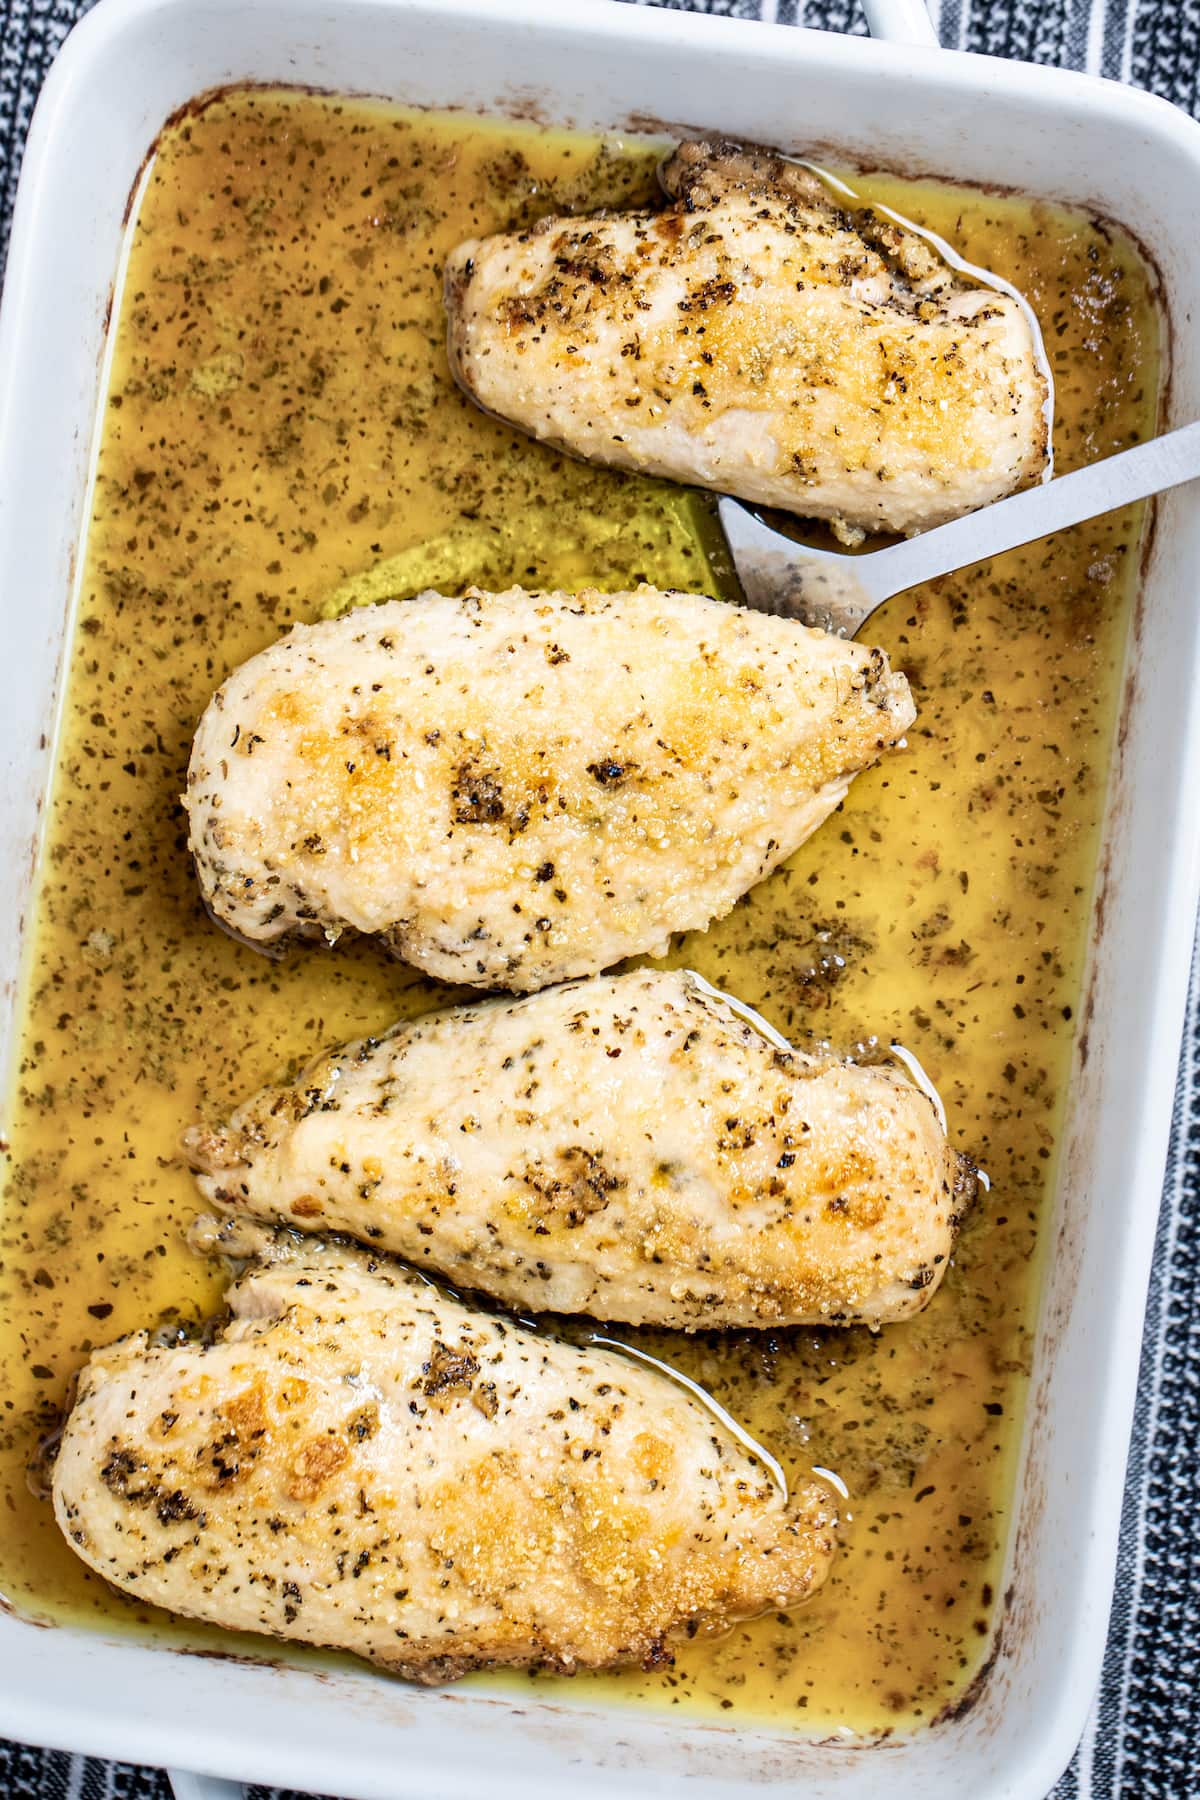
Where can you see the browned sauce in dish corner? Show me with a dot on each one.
(279, 419)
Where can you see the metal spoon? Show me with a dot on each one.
(839, 591)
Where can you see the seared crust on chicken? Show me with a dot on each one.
(627, 1147)
(518, 788)
(362, 1463)
(758, 339)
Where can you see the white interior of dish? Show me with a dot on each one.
(128, 66)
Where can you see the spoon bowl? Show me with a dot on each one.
(839, 590)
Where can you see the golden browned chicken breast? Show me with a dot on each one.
(757, 339)
(629, 1147)
(517, 788)
(361, 1462)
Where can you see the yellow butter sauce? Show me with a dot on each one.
(280, 420)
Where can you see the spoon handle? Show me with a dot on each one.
(1149, 468)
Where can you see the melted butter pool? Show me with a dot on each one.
(280, 419)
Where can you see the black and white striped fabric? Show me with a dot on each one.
(1143, 1738)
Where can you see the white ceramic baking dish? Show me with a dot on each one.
(1137, 160)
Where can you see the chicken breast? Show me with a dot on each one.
(517, 788)
(362, 1463)
(758, 339)
(629, 1147)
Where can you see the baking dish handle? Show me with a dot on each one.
(185, 1786)
(901, 22)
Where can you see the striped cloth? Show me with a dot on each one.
(1143, 1738)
